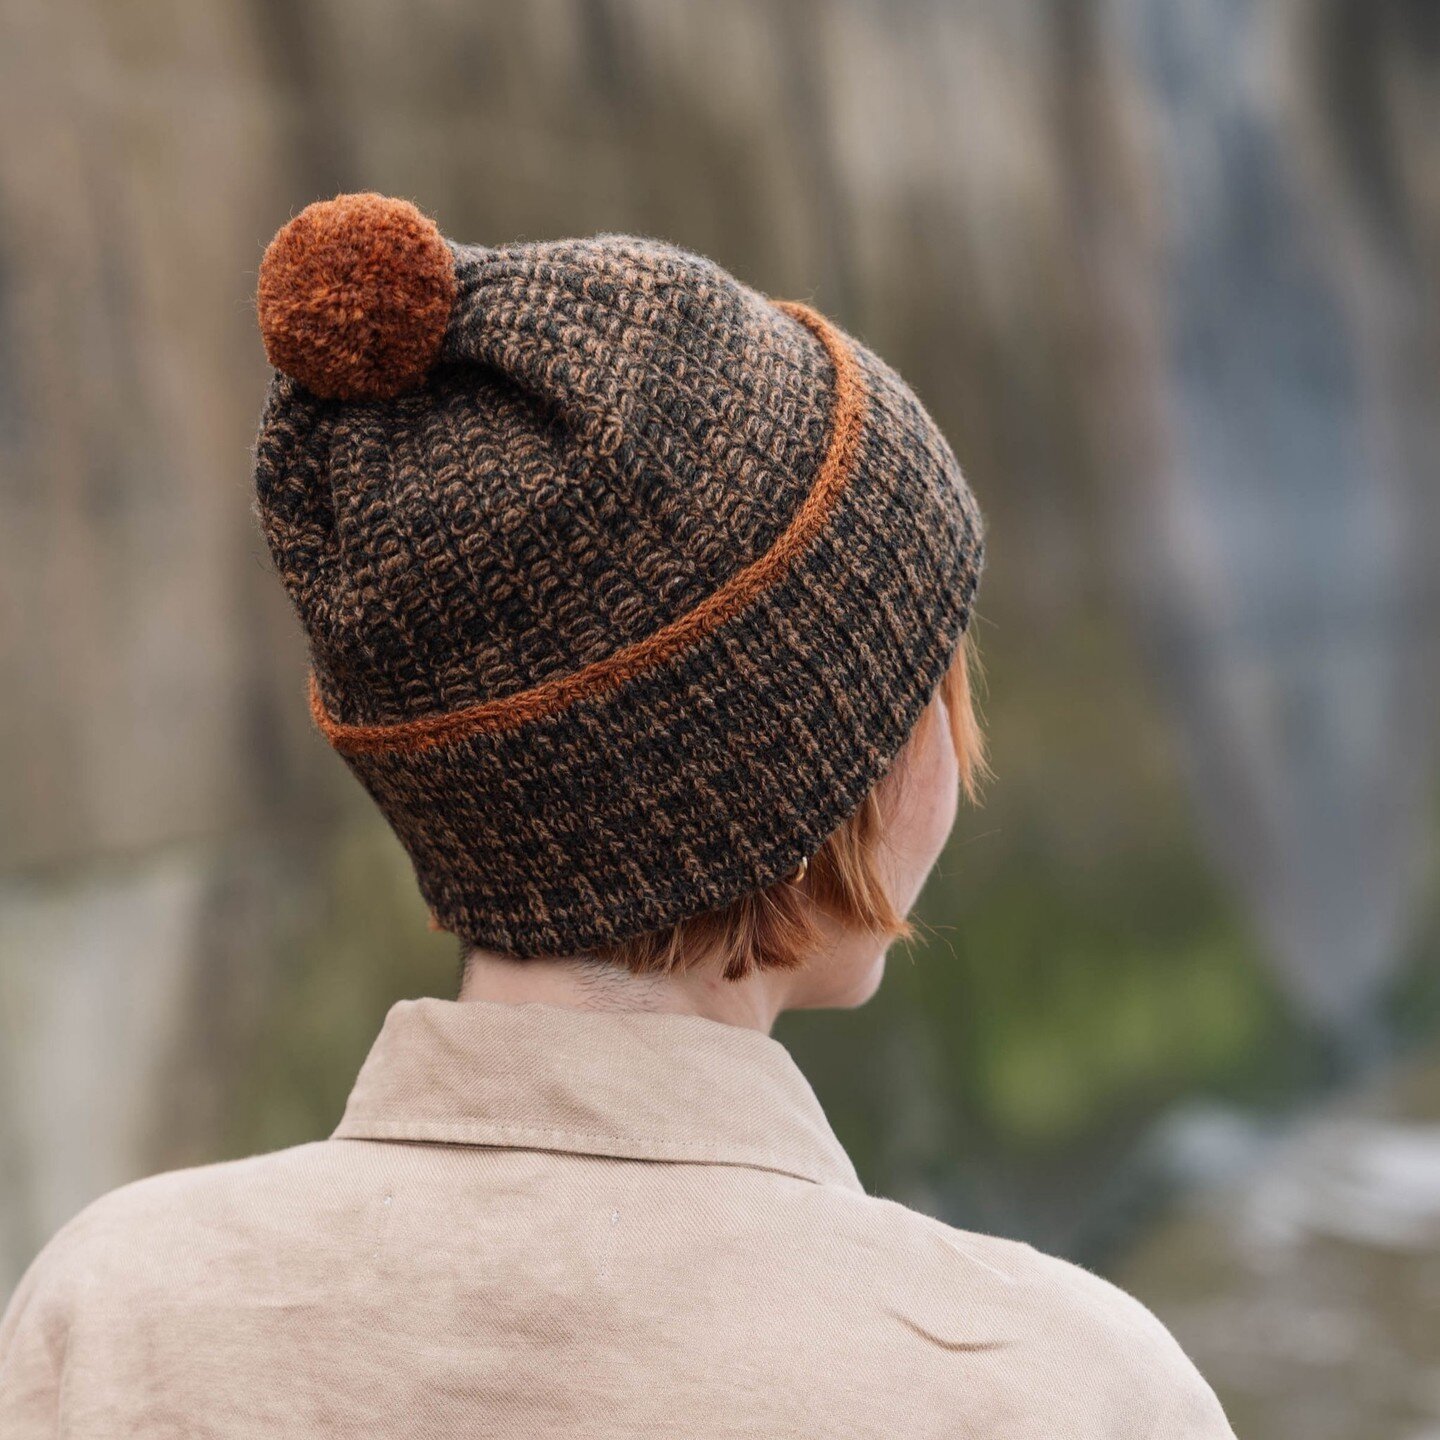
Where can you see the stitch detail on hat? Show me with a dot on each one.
(606, 675)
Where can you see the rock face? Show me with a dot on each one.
(1291, 527)
(1048, 216)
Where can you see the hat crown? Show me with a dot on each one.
(613, 429)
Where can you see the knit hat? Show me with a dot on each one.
(623, 583)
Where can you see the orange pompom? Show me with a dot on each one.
(354, 297)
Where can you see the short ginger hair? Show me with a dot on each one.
(776, 928)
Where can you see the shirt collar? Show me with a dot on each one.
(643, 1086)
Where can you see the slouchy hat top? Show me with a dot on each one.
(623, 583)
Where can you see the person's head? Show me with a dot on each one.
(638, 602)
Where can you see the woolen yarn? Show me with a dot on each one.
(623, 583)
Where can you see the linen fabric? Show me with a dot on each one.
(538, 1222)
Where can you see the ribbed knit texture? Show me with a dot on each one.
(615, 429)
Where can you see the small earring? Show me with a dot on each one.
(798, 874)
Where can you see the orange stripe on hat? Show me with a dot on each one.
(603, 676)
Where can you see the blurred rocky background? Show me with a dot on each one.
(1167, 275)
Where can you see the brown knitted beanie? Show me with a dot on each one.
(623, 584)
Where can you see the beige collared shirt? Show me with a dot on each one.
(541, 1222)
